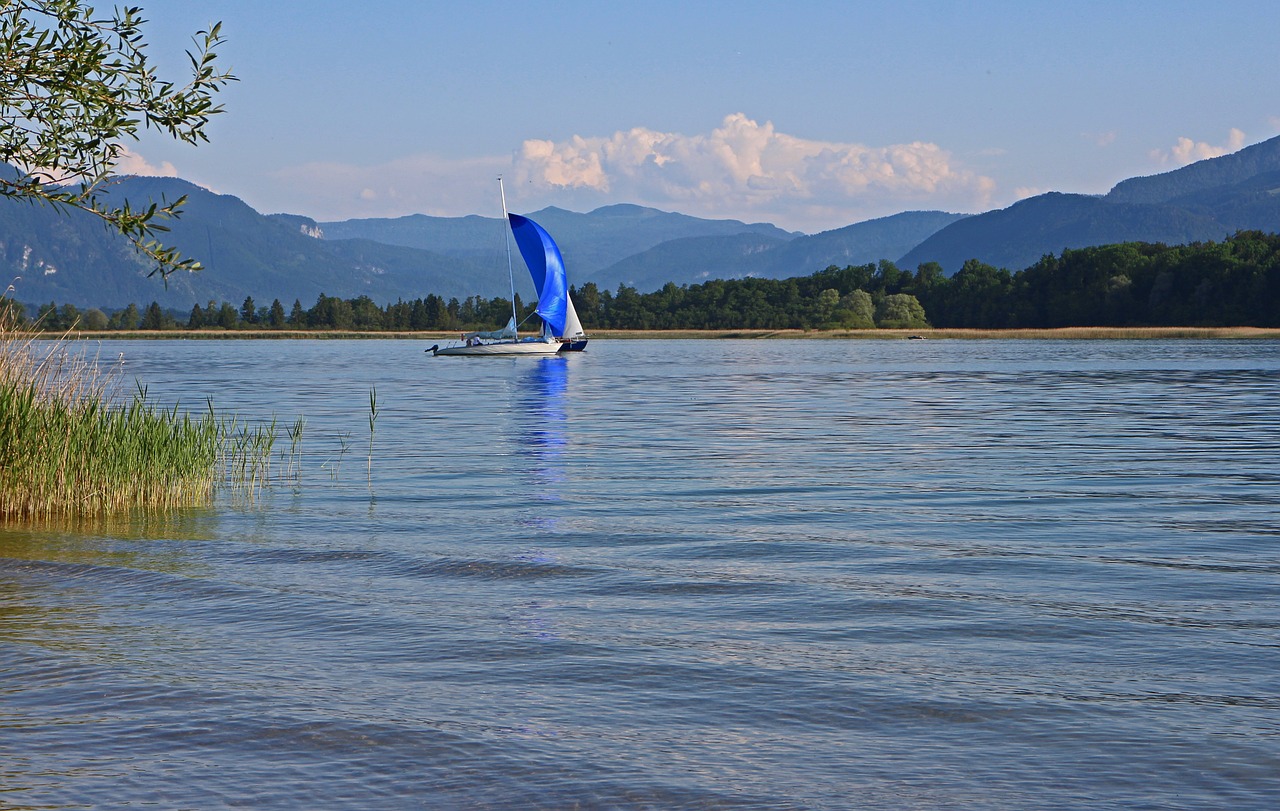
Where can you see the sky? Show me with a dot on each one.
(809, 115)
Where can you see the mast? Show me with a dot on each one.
(506, 232)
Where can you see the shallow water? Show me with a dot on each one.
(678, 574)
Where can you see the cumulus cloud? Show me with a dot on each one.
(742, 169)
(1187, 151)
(747, 169)
(131, 163)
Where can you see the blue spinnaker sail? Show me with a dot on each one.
(547, 269)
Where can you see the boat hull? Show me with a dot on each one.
(499, 348)
(574, 345)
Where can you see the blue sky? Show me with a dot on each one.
(810, 115)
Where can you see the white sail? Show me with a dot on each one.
(572, 326)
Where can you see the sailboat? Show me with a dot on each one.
(546, 266)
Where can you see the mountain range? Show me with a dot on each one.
(70, 257)
(1205, 201)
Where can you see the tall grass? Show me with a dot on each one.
(70, 446)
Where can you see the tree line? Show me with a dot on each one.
(1235, 282)
(360, 314)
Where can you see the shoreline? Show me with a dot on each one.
(1061, 333)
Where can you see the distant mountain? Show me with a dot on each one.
(1253, 203)
(690, 260)
(473, 236)
(590, 242)
(1208, 200)
(857, 244)
(70, 257)
(1202, 176)
(1016, 237)
(646, 248)
(698, 259)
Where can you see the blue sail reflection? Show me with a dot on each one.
(542, 439)
(543, 433)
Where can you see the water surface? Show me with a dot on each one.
(678, 574)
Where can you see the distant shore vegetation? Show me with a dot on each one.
(1233, 283)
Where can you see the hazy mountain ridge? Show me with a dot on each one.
(70, 257)
(1201, 176)
(1017, 236)
(1205, 201)
(756, 255)
(590, 242)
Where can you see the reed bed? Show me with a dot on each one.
(71, 446)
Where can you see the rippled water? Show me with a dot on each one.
(662, 574)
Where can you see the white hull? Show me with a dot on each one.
(501, 348)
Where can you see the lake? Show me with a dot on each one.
(677, 574)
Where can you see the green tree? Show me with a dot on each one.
(94, 320)
(249, 311)
(930, 285)
(196, 321)
(365, 314)
(69, 316)
(153, 317)
(628, 310)
(47, 316)
(330, 312)
(74, 85)
(978, 296)
(126, 319)
(891, 278)
(228, 318)
(297, 316)
(275, 316)
(586, 301)
(900, 311)
(824, 308)
(436, 314)
(856, 311)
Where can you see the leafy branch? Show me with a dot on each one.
(73, 86)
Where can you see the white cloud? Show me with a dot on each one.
(1187, 151)
(749, 170)
(742, 169)
(131, 163)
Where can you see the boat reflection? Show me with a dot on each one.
(543, 434)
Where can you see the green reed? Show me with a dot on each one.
(293, 459)
(373, 419)
(69, 447)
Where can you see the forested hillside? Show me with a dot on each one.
(1206, 200)
(1231, 283)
